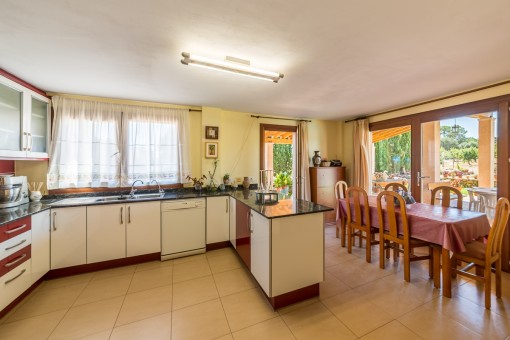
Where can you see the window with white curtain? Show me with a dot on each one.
(96, 144)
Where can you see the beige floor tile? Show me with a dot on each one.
(273, 329)
(396, 296)
(48, 300)
(107, 273)
(357, 312)
(38, 327)
(97, 290)
(392, 330)
(88, 319)
(224, 262)
(316, 322)
(145, 304)
(233, 281)
(105, 335)
(151, 278)
(477, 318)
(332, 286)
(194, 291)
(225, 337)
(191, 270)
(154, 328)
(475, 292)
(203, 321)
(429, 323)
(247, 308)
(297, 305)
(67, 281)
(189, 258)
(154, 265)
(334, 256)
(358, 272)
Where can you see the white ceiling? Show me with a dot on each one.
(340, 58)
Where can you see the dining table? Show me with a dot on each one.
(447, 227)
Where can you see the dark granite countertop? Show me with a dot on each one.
(286, 207)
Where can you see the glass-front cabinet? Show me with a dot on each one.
(24, 127)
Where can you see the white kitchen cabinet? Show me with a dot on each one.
(143, 228)
(68, 237)
(232, 221)
(24, 116)
(40, 244)
(217, 220)
(260, 250)
(106, 232)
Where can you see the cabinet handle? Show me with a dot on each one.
(25, 141)
(17, 244)
(121, 213)
(226, 205)
(19, 258)
(15, 229)
(14, 278)
(29, 146)
(54, 221)
(129, 214)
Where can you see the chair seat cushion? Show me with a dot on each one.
(475, 249)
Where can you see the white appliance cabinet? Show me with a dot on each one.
(217, 220)
(232, 221)
(68, 237)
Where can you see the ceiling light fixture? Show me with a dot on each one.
(230, 65)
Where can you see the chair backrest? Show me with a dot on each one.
(498, 228)
(389, 223)
(358, 210)
(471, 195)
(340, 189)
(395, 186)
(445, 195)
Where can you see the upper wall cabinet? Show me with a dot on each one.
(24, 115)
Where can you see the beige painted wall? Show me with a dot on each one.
(348, 155)
(239, 142)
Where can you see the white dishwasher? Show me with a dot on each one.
(182, 228)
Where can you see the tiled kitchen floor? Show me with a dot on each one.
(212, 296)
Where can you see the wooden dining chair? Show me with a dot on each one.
(391, 215)
(358, 220)
(340, 189)
(484, 255)
(446, 195)
(395, 187)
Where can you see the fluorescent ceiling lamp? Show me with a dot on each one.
(231, 65)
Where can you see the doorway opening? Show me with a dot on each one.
(278, 153)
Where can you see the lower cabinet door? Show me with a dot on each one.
(260, 250)
(232, 221)
(40, 244)
(143, 228)
(68, 237)
(14, 283)
(106, 232)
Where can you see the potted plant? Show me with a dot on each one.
(226, 179)
(212, 184)
(197, 182)
(282, 181)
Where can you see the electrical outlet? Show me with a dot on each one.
(252, 180)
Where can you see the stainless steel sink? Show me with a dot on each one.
(75, 201)
(111, 198)
(153, 195)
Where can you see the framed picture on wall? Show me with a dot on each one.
(211, 150)
(211, 132)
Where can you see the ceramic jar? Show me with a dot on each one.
(246, 183)
(35, 196)
(316, 159)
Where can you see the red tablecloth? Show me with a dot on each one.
(449, 227)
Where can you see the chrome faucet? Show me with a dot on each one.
(133, 190)
(161, 191)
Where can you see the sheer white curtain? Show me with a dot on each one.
(84, 149)
(156, 144)
(303, 175)
(362, 154)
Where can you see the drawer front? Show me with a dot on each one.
(14, 260)
(12, 229)
(14, 244)
(14, 283)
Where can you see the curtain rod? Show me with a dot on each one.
(296, 120)
(432, 100)
(195, 110)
